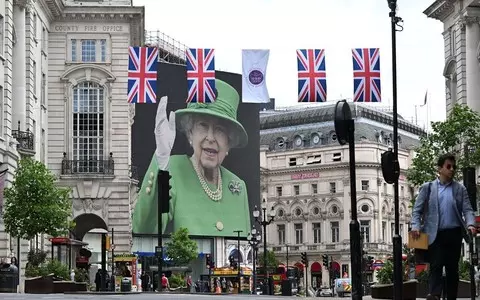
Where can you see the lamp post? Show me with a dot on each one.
(264, 221)
(287, 246)
(254, 239)
(397, 239)
(238, 258)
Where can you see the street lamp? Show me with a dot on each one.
(394, 164)
(254, 238)
(264, 221)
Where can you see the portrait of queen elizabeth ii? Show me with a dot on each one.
(206, 198)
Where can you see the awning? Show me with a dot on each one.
(316, 267)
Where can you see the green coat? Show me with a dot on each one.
(190, 207)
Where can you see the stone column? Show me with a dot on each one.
(472, 40)
(19, 103)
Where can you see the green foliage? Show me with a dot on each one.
(36, 257)
(462, 127)
(385, 274)
(176, 280)
(464, 269)
(34, 204)
(272, 261)
(54, 267)
(181, 249)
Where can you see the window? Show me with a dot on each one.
(335, 227)
(385, 190)
(384, 231)
(333, 187)
(2, 33)
(279, 191)
(402, 191)
(298, 234)
(401, 229)
(364, 185)
(74, 50)
(314, 188)
(42, 148)
(292, 162)
(34, 77)
(453, 40)
(43, 90)
(103, 50)
(364, 208)
(317, 236)
(337, 156)
(365, 231)
(281, 234)
(298, 212)
(314, 159)
(88, 50)
(88, 125)
(296, 189)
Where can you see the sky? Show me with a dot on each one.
(337, 26)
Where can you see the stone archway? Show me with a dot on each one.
(86, 222)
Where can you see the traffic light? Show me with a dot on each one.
(208, 262)
(231, 259)
(164, 190)
(325, 260)
(304, 258)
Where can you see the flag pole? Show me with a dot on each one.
(416, 119)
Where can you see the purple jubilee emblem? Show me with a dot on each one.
(255, 77)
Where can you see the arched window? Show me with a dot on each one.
(88, 127)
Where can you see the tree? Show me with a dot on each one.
(34, 204)
(181, 249)
(460, 129)
(272, 261)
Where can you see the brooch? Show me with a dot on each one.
(235, 187)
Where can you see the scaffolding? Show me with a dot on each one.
(169, 49)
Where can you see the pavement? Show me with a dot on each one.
(150, 296)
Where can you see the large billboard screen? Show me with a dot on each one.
(211, 151)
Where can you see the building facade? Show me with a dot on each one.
(89, 117)
(461, 34)
(305, 178)
(23, 94)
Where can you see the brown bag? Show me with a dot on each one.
(421, 253)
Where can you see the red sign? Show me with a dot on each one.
(305, 176)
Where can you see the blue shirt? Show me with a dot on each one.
(446, 207)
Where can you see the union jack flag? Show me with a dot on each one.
(201, 75)
(142, 74)
(312, 77)
(366, 75)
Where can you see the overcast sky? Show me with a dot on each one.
(337, 26)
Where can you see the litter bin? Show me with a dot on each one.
(8, 278)
(125, 285)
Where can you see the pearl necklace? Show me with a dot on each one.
(214, 195)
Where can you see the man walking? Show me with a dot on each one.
(447, 218)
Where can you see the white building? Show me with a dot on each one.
(23, 106)
(68, 60)
(305, 177)
(461, 33)
(89, 117)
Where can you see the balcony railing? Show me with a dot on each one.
(91, 166)
(25, 139)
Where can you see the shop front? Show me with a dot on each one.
(226, 280)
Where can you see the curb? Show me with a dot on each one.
(102, 293)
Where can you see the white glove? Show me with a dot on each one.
(164, 134)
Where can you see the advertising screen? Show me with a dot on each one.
(211, 151)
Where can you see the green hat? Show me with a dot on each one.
(224, 107)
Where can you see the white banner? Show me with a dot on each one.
(254, 70)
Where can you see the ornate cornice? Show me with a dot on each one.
(55, 7)
(440, 9)
(464, 21)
